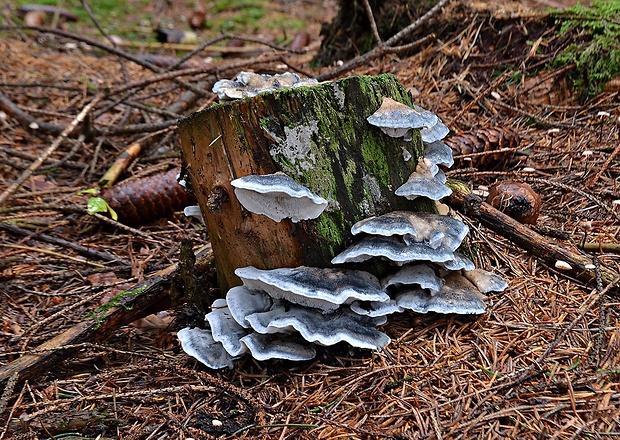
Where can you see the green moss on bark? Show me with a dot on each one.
(320, 137)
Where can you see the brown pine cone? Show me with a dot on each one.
(140, 201)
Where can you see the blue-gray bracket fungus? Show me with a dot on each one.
(457, 295)
(242, 302)
(285, 313)
(397, 120)
(436, 132)
(420, 227)
(438, 153)
(485, 281)
(459, 262)
(375, 309)
(287, 347)
(193, 211)
(199, 344)
(282, 313)
(225, 329)
(420, 274)
(426, 181)
(324, 289)
(393, 249)
(277, 196)
(414, 298)
(324, 329)
(250, 84)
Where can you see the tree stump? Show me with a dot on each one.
(348, 35)
(316, 135)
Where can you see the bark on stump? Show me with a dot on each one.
(317, 135)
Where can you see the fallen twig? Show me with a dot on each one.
(582, 193)
(603, 248)
(604, 167)
(581, 266)
(24, 118)
(39, 161)
(135, 303)
(373, 23)
(92, 253)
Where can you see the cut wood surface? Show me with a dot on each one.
(317, 135)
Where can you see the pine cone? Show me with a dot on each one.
(144, 200)
(486, 139)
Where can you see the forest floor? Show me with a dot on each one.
(544, 362)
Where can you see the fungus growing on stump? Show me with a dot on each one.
(249, 84)
(278, 197)
(397, 120)
(427, 181)
(258, 166)
(324, 289)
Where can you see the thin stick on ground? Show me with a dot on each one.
(582, 267)
(89, 252)
(373, 23)
(39, 161)
(138, 302)
(605, 167)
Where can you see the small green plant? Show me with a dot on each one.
(597, 54)
(97, 204)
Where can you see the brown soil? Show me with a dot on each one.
(543, 362)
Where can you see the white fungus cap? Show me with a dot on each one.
(249, 84)
(325, 289)
(458, 296)
(421, 274)
(227, 89)
(225, 329)
(393, 249)
(403, 223)
(414, 299)
(422, 182)
(199, 344)
(278, 196)
(396, 119)
(459, 262)
(486, 281)
(287, 347)
(432, 229)
(434, 133)
(438, 153)
(193, 211)
(242, 302)
(375, 309)
(324, 329)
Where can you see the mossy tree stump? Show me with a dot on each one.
(317, 135)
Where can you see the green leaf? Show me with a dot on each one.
(97, 204)
(113, 213)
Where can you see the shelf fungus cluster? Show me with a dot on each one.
(287, 313)
(249, 84)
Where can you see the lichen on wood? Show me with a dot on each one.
(317, 135)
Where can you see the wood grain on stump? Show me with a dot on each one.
(317, 135)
